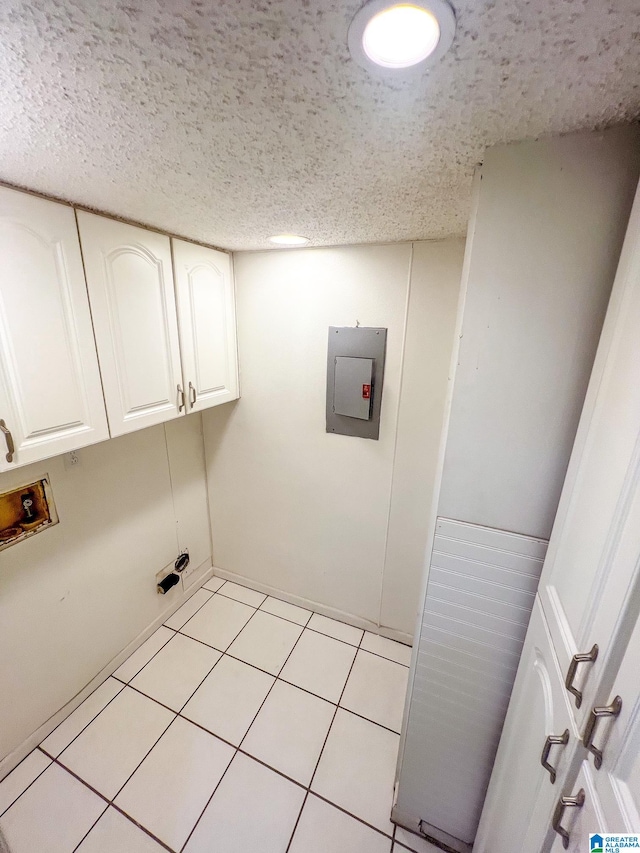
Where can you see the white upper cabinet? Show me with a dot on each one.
(50, 392)
(206, 313)
(130, 281)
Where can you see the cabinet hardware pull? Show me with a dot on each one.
(611, 710)
(192, 395)
(585, 657)
(563, 803)
(181, 397)
(563, 740)
(9, 439)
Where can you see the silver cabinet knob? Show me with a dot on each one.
(9, 439)
(584, 657)
(552, 740)
(611, 710)
(563, 803)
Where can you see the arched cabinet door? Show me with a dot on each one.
(50, 391)
(130, 281)
(206, 314)
(522, 793)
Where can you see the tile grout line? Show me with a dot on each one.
(315, 769)
(275, 679)
(4, 811)
(315, 630)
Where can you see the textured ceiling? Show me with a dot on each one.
(230, 120)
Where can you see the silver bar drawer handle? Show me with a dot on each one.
(563, 740)
(192, 395)
(611, 710)
(563, 803)
(180, 398)
(585, 657)
(9, 439)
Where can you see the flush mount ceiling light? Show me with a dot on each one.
(394, 36)
(288, 240)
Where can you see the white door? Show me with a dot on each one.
(206, 313)
(538, 725)
(586, 585)
(130, 281)
(50, 392)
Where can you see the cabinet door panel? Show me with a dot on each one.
(50, 391)
(206, 312)
(130, 280)
(521, 792)
(617, 781)
(586, 583)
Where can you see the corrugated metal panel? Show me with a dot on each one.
(481, 590)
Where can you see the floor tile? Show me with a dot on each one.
(218, 622)
(397, 652)
(168, 792)
(243, 594)
(266, 642)
(335, 629)
(114, 833)
(188, 609)
(111, 747)
(412, 842)
(289, 731)
(213, 584)
(376, 689)
(285, 610)
(21, 777)
(61, 737)
(324, 829)
(176, 671)
(229, 698)
(254, 809)
(357, 769)
(52, 816)
(319, 664)
(143, 654)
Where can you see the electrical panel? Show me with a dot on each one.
(355, 371)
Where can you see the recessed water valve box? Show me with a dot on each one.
(355, 370)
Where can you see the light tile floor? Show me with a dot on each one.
(243, 724)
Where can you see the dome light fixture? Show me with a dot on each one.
(288, 240)
(394, 36)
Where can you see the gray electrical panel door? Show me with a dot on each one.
(352, 387)
(355, 370)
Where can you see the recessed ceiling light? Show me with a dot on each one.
(288, 240)
(388, 35)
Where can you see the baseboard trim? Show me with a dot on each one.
(10, 761)
(316, 606)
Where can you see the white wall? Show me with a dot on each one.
(551, 219)
(302, 511)
(72, 597)
(435, 285)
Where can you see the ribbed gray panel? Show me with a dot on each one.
(482, 585)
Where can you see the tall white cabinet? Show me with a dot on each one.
(579, 670)
(50, 392)
(130, 281)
